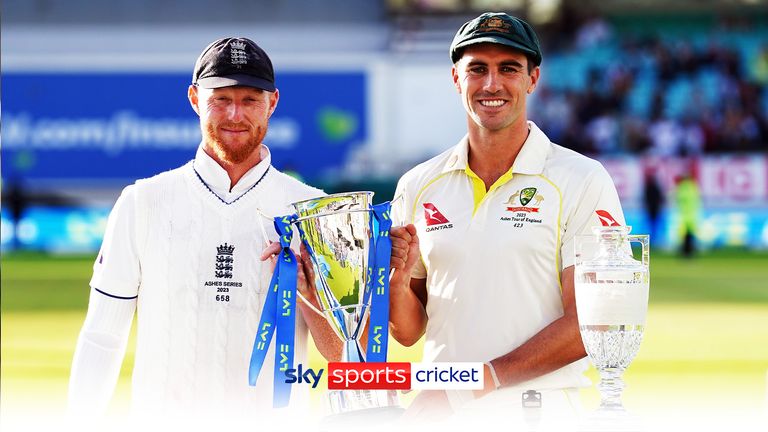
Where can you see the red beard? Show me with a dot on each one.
(234, 154)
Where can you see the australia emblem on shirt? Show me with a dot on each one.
(523, 204)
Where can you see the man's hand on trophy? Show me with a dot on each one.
(270, 253)
(407, 296)
(306, 277)
(305, 272)
(405, 248)
(405, 252)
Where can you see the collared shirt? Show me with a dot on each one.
(492, 260)
(217, 179)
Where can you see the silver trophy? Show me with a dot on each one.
(336, 231)
(612, 303)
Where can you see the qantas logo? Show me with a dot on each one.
(435, 219)
(433, 216)
(606, 219)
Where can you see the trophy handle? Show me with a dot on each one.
(644, 240)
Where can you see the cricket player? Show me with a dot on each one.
(182, 251)
(486, 255)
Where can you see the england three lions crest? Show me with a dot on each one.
(224, 261)
(222, 289)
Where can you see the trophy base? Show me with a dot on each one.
(357, 406)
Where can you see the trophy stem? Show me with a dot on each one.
(611, 385)
(352, 352)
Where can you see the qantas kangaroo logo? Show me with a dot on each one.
(433, 215)
(435, 219)
(606, 219)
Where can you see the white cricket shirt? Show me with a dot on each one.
(493, 260)
(189, 249)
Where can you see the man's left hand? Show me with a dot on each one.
(305, 276)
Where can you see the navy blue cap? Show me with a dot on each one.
(234, 62)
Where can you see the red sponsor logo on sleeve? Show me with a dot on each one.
(606, 219)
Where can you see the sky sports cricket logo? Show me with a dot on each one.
(392, 376)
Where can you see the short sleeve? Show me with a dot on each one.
(402, 214)
(598, 205)
(116, 272)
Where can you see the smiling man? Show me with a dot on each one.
(486, 251)
(182, 248)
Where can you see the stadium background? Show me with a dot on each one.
(94, 96)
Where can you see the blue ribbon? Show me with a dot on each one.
(279, 309)
(378, 272)
(279, 312)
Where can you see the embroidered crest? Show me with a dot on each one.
(224, 261)
(526, 195)
(237, 53)
(523, 204)
(495, 24)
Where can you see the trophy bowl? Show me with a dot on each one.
(338, 232)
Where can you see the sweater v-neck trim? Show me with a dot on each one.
(198, 182)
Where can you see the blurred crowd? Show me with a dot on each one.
(663, 96)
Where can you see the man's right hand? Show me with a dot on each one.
(405, 252)
(407, 296)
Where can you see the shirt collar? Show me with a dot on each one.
(217, 178)
(533, 155)
(530, 160)
(459, 157)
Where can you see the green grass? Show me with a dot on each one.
(38, 282)
(707, 333)
(725, 276)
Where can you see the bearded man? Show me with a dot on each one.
(182, 248)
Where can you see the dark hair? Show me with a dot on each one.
(531, 62)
